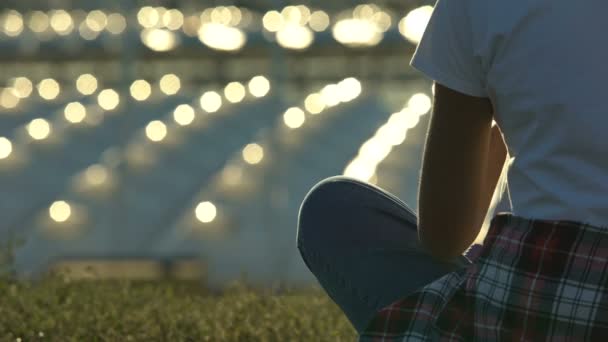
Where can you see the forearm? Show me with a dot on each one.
(456, 189)
(497, 155)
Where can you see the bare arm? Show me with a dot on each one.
(463, 158)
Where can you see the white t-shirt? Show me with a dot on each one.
(544, 65)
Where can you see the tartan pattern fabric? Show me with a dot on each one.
(533, 280)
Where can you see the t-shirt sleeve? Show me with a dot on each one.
(446, 51)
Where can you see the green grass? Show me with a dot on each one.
(54, 309)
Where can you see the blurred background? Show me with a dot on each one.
(178, 138)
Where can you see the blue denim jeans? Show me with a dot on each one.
(361, 244)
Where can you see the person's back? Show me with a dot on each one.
(545, 68)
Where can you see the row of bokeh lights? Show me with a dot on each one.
(40, 129)
(86, 84)
(224, 27)
(97, 175)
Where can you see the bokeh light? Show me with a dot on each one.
(173, 19)
(205, 212)
(413, 25)
(183, 114)
(38, 21)
(330, 95)
(357, 32)
(272, 21)
(234, 92)
(74, 112)
(96, 20)
(156, 131)
(39, 129)
(259, 86)
(319, 21)
(314, 103)
(294, 117)
(159, 39)
(140, 90)
(6, 148)
(23, 87)
(12, 23)
(108, 99)
(48, 89)
(86, 84)
(170, 84)
(96, 174)
(8, 98)
(61, 22)
(116, 23)
(253, 154)
(211, 101)
(222, 37)
(60, 211)
(295, 37)
(420, 103)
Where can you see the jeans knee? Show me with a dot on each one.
(318, 214)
